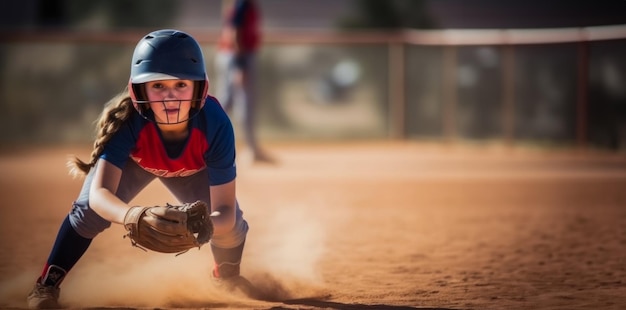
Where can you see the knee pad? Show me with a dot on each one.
(233, 238)
(86, 221)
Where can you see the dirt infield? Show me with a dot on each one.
(354, 226)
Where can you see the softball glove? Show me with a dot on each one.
(169, 228)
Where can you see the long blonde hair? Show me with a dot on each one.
(116, 111)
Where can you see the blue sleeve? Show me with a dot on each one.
(118, 149)
(220, 158)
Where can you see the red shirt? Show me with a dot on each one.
(244, 18)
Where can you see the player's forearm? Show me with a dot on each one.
(223, 201)
(107, 205)
(101, 193)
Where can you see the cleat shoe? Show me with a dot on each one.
(236, 284)
(43, 297)
(226, 276)
(229, 284)
(225, 270)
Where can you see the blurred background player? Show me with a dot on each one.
(163, 125)
(236, 59)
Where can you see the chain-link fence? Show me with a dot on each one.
(563, 87)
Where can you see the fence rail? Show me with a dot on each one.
(297, 36)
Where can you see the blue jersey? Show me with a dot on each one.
(210, 145)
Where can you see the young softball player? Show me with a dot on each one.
(164, 126)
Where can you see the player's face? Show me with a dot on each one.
(170, 100)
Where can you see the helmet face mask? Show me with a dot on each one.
(165, 55)
(146, 109)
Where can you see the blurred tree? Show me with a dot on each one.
(416, 14)
(106, 14)
(50, 13)
(392, 14)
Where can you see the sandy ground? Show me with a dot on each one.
(354, 226)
